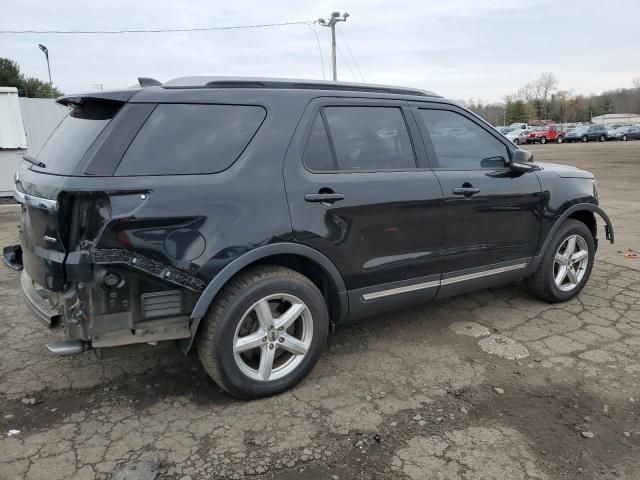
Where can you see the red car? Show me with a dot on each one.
(550, 133)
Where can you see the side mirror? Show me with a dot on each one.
(522, 161)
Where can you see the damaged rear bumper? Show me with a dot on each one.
(38, 304)
(150, 302)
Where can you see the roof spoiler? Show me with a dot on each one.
(114, 96)
(149, 82)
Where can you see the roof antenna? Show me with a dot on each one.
(148, 82)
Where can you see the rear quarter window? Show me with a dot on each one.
(71, 139)
(181, 139)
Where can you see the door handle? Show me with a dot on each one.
(466, 191)
(324, 197)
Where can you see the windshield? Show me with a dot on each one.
(74, 135)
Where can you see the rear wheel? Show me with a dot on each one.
(516, 141)
(264, 333)
(566, 265)
(602, 138)
(559, 140)
(585, 139)
(624, 138)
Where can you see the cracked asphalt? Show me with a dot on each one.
(490, 385)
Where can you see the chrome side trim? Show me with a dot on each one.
(35, 201)
(398, 290)
(485, 273)
(438, 283)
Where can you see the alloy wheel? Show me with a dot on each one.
(273, 337)
(571, 263)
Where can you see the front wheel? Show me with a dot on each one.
(566, 264)
(543, 140)
(516, 141)
(624, 138)
(602, 138)
(264, 333)
(585, 139)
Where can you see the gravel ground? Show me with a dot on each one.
(491, 385)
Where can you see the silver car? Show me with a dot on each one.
(518, 137)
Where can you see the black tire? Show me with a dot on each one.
(516, 141)
(602, 138)
(542, 283)
(217, 333)
(585, 139)
(543, 140)
(624, 138)
(560, 139)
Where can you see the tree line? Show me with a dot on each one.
(10, 76)
(543, 100)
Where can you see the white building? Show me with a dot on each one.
(25, 124)
(617, 118)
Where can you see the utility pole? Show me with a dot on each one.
(331, 23)
(45, 50)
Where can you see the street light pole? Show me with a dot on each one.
(331, 23)
(45, 50)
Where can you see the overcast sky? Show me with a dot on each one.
(462, 49)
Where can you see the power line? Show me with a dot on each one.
(313, 29)
(347, 63)
(160, 30)
(344, 37)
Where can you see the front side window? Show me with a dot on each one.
(367, 139)
(461, 144)
(190, 139)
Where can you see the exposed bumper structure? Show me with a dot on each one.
(38, 305)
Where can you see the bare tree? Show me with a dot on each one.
(547, 84)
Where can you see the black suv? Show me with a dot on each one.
(250, 216)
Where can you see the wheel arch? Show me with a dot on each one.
(583, 212)
(305, 260)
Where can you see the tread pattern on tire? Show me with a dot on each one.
(224, 299)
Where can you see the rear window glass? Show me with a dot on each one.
(68, 143)
(189, 139)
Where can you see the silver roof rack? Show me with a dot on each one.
(289, 83)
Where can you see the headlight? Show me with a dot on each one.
(595, 189)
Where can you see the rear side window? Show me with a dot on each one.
(363, 139)
(317, 154)
(68, 143)
(189, 139)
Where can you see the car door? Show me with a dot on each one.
(491, 213)
(360, 191)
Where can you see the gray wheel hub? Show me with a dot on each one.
(571, 263)
(273, 337)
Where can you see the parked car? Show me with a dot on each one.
(587, 133)
(519, 126)
(612, 133)
(518, 137)
(576, 134)
(250, 216)
(628, 133)
(550, 133)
